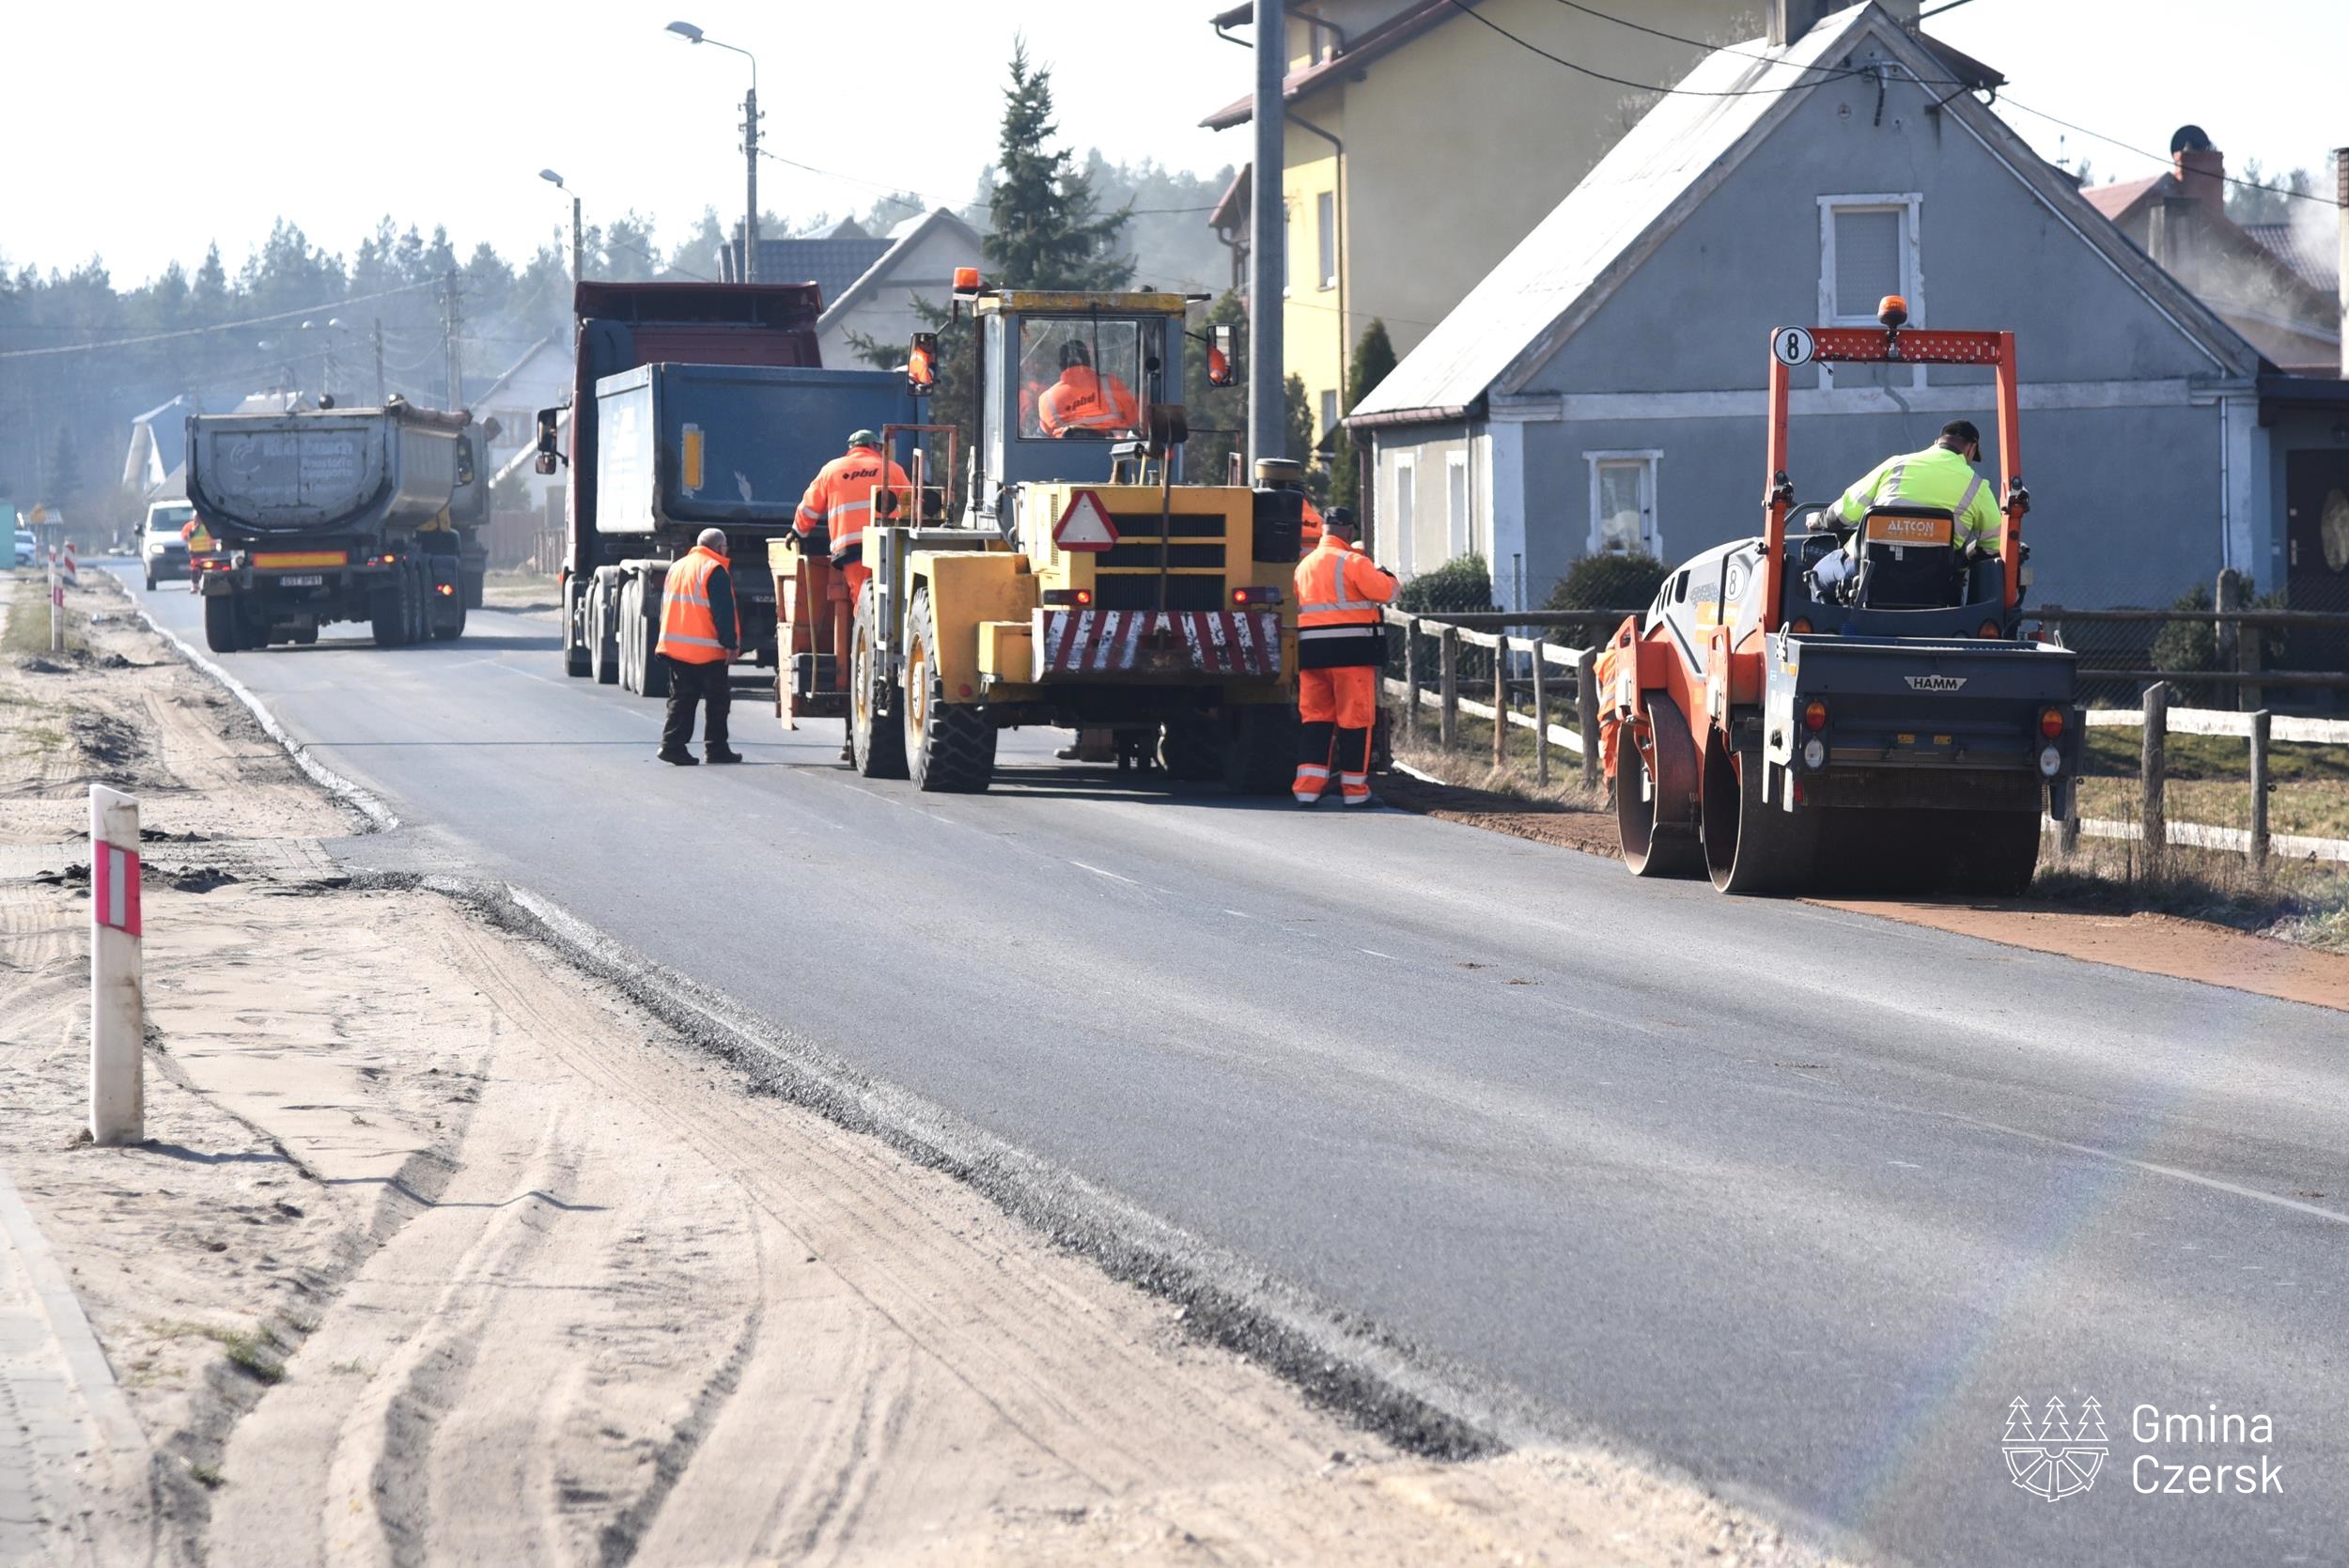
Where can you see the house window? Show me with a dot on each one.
(1623, 502)
(1406, 509)
(1868, 248)
(1326, 211)
(1328, 412)
(1455, 503)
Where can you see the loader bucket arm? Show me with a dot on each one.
(1791, 346)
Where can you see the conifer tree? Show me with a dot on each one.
(1044, 226)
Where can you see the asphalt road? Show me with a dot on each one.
(1799, 1201)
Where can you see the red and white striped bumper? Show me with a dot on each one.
(1177, 643)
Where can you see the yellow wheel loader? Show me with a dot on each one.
(1083, 582)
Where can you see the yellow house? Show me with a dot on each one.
(1426, 138)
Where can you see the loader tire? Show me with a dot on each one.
(1190, 750)
(652, 671)
(1752, 846)
(222, 624)
(950, 747)
(876, 740)
(1260, 758)
(1657, 843)
(631, 677)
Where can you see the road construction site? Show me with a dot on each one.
(443, 1248)
(1791, 1239)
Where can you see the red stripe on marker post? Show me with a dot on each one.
(115, 887)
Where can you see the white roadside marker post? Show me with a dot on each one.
(117, 978)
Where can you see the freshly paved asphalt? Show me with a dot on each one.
(1797, 1199)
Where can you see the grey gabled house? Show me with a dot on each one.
(1602, 388)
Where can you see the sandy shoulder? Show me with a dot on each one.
(442, 1252)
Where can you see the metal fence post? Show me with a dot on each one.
(2259, 788)
(1448, 676)
(1586, 713)
(1541, 711)
(1500, 700)
(2153, 821)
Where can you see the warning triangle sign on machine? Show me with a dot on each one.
(1085, 525)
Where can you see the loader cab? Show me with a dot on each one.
(1064, 379)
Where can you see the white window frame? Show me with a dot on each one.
(1910, 205)
(1653, 458)
(1405, 511)
(1325, 236)
(1329, 411)
(1460, 523)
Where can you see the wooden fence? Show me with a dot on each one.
(2260, 730)
(1537, 655)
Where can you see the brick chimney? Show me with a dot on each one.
(2340, 193)
(2201, 169)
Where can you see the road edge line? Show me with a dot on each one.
(379, 815)
(1411, 1397)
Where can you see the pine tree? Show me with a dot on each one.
(1044, 227)
(1373, 362)
(2054, 1429)
(2091, 1423)
(2018, 1427)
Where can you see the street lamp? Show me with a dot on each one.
(692, 34)
(556, 181)
(326, 374)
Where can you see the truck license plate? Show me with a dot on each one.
(311, 579)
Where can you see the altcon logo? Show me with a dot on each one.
(2058, 1458)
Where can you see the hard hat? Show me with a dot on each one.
(863, 438)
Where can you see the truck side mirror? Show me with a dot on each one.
(922, 364)
(547, 455)
(1223, 356)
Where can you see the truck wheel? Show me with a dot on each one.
(949, 746)
(221, 624)
(387, 616)
(876, 740)
(150, 580)
(603, 653)
(1654, 842)
(574, 645)
(1751, 845)
(1190, 750)
(420, 597)
(625, 637)
(1260, 755)
(453, 627)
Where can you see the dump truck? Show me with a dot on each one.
(324, 515)
(1889, 725)
(1082, 583)
(694, 406)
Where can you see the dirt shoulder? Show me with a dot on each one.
(2147, 941)
(442, 1251)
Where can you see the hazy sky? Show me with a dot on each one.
(142, 131)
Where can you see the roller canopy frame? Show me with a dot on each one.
(1894, 346)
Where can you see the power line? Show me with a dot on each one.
(1463, 8)
(2111, 141)
(216, 327)
(1695, 43)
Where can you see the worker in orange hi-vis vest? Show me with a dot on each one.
(840, 502)
(1084, 402)
(700, 634)
(1341, 644)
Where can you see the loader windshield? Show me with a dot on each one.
(1079, 377)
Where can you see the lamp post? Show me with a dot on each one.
(692, 34)
(578, 272)
(333, 324)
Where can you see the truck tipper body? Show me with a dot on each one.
(325, 515)
(695, 406)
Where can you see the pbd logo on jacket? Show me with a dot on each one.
(2058, 1458)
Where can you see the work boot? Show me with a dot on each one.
(679, 759)
(724, 754)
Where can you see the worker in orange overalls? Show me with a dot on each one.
(1341, 646)
(700, 633)
(1309, 534)
(1081, 402)
(840, 500)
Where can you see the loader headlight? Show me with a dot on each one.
(2050, 762)
(1814, 753)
